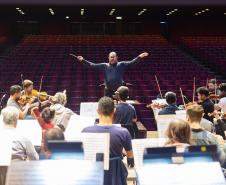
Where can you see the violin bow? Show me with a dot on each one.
(193, 97)
(40, 87)
(207, 83)
(215, 90)
(156, 79)
(22, 81)
(182, 96)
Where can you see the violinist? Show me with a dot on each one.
(207, 104)
(212, 87)
(171, 106)
(32, 96)
(28, 87)
(222, 102)
(15, 94)
(220, 123)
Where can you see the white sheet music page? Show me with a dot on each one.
(89, 109)
(75, 126)
(94, 143)
(5, 148)
(163, 123)
(197, 173)
(140, 144)
(31, 130)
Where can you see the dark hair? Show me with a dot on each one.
(203, 91)
(222, 87)
(15, 89)
(47, 114)
(54, 134)
(123, 92)
(106, 106)
(178, 131)
(170, 97)
(213, 81)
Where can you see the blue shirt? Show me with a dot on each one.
(119, 138)
(169, 109)
(124, 114)
(113, 74)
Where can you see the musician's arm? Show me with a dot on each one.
(23, 113)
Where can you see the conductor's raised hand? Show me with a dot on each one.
(80, 58)
(143, 55)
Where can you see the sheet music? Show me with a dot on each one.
(181, 114)
(31, 130)
(140, 144)
(163, 123)
(94, 143)
(197, 173)
(55, 172)
(89, 109)
(75, 126)
(5, 148)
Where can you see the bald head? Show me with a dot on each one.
(112, 57)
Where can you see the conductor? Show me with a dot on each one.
(113, 70)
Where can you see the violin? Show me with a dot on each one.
(24, 99)
(156, 105)
(217, 114)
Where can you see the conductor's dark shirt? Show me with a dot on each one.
(113, 74)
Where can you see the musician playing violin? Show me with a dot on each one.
(222, 98)
(204, 100)
(15, 94)
(213, 87)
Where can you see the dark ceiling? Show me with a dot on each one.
(101, 13)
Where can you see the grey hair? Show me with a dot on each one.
(10, 115)
(60, 98)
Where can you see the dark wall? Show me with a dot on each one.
(198, 27)
(116, 2)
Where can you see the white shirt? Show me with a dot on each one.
(222, 104)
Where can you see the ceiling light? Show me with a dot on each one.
(119, 18)
(67, 17)
(225, 13)
(203, 11)
(141, 12)
(82, 11)
(20, 11)
(172, 12)
(51, 11)
(112, 11)
(207, 9)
